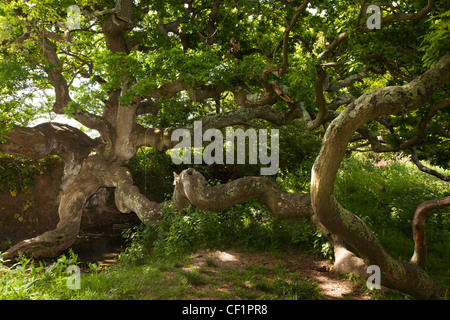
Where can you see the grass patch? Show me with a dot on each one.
(192, 277)
(155, 264)
(298, 290)
(154, 280)
(385, 197)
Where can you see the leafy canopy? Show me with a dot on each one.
(213, 43)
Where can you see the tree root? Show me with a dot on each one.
(52, 243)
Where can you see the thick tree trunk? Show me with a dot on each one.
(94, 174)
(405, 277)
(52, 243)
(77, 187)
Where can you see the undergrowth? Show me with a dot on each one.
(248, 225)
(27, 279)
(385, 196)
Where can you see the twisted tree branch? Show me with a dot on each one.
(341, 222)
(416, 161)
(192, 186)
(420, 243)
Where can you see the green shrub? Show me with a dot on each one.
(27, 280)
(386, 198)
(248, 225)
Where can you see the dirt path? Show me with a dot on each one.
(331, 284)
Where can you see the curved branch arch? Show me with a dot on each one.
(190, 185)
(341, 222)
(420, 243)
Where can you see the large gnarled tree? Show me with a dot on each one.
(134, 71)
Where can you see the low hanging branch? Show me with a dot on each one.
(192, 188)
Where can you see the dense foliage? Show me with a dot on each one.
(131, 72)
(216, 44)
(155, 251)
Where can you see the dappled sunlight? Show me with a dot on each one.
(336, 288)
(332, 289)
(280, 132)
(218, 257)
(297, 266)
(224, 256)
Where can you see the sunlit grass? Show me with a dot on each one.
(155, 264)
(386, 196)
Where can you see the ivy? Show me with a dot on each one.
(17, 174)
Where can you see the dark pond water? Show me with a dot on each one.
(99, 248)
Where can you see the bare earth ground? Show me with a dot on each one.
(332, 285)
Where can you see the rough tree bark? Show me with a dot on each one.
(192, 186)
(406, 277)
(91, 164)
(420, 243)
